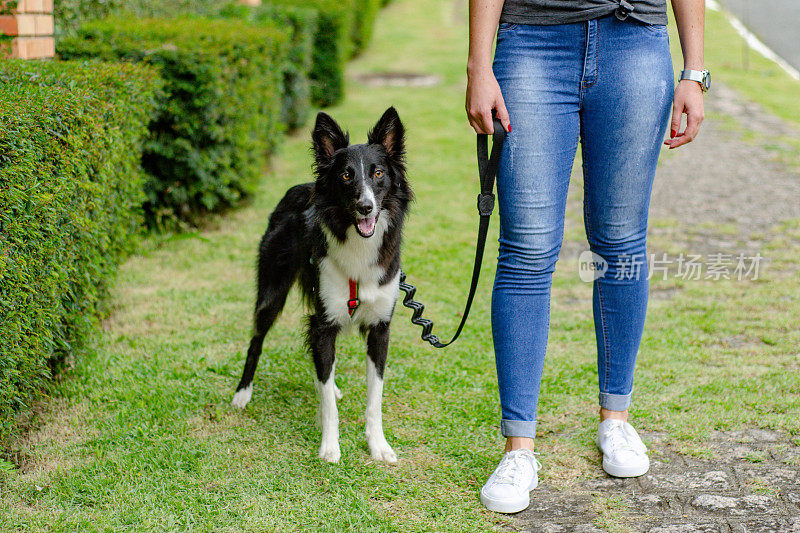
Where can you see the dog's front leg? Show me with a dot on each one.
(322, 337)
(377, 348)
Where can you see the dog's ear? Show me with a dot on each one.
(327, 137)
(389, 133)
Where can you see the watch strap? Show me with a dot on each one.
(694, 75)
(700, 76)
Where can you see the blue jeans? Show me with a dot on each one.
(609, 84)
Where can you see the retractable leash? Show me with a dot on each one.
(487, 169)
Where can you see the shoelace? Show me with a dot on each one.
(618, 438)
(512, 464)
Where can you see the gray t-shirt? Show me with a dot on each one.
(566, 11)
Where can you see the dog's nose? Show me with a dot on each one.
(364, 207)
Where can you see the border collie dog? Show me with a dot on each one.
(340, 238)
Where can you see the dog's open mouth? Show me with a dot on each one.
(365, 226)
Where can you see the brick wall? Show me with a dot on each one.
(30, 24)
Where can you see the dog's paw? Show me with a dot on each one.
(330, 452)
(381, 451)
(242, 397)
(337, 392)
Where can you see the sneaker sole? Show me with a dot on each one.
(624, 471)
(508, 506)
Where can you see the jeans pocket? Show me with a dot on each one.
(657, 29)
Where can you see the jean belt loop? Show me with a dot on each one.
(623, 10)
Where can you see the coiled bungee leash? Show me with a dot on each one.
(487, 170)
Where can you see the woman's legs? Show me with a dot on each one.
(612, 82)
(624, 116)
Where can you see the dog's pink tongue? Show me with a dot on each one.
(366, 225)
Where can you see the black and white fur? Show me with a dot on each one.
(345, 225)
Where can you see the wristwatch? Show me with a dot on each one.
(703, 77)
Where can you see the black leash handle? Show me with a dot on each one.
(487, 170)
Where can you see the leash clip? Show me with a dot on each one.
(623, 10)
(485, 204)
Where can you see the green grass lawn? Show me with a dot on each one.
(141, 435)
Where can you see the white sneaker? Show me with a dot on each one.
(508, 488)
(624, 453)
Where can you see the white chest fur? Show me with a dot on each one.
(356, 258)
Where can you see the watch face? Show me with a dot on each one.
(707, 80)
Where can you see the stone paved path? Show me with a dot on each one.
(751, 480)
(751, 485)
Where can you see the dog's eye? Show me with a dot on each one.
(345, 176)
(379, 173)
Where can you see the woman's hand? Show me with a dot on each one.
(483, 95)
(690, 16)
(688, 101)
(483, 92)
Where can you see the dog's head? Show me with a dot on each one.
(359, 180)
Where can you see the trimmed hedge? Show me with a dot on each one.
(70, 207)
(343, 29)
(366, 11)
(302, 22)
(332, 47)
(221, 113)
(70, 15)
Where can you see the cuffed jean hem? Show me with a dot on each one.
(518, 428)
(615, 402)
